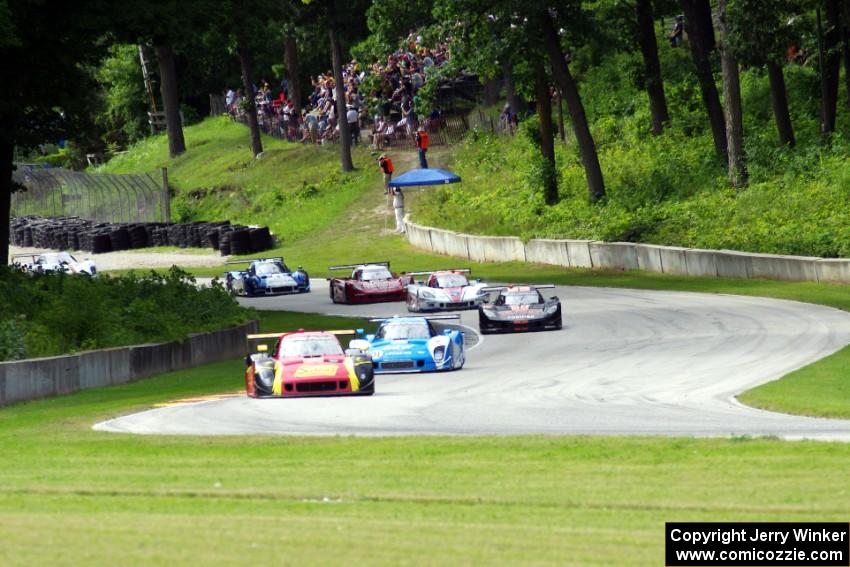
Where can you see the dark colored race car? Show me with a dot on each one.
(307, 364)
(266, 276)
(519, 308)
(369, 283)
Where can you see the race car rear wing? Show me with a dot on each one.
(489, 289)
(352, 266)
(263, 336)
(460, 270)
(429, 317)
(249, 260)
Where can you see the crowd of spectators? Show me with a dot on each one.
(382, 96)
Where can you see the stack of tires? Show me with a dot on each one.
(74, 233)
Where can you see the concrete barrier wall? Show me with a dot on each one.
(613, 255)
(630, 256)
(23, 380)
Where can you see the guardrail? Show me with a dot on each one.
(36, 378)
(630, 256)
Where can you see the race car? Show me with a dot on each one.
(445, 290)
(412, 344)
(369, 283)
(307, 364)
(54, 262)
(266, 276)
(519, 308)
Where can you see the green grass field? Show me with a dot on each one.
(72, 496)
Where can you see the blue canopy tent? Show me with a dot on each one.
(420, 177)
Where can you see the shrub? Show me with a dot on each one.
(53, 314)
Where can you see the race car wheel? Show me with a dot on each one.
(460, 359)
(333, 295)
(368, 390)
(483, 328)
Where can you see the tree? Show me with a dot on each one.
(339, 89)
(758, 34)
(44, 53)
(829, 62)
(547, 139)
(652, 66)
(170, 99)
(250, 104)
(293, 72)
(700, 32)
(732, 96)
(567, 84)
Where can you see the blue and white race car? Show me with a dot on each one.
(266, 276)
(412, 344)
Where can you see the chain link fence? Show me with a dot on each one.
(99, 197)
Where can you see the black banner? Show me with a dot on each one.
(742, 544)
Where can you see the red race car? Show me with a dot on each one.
(307, 364)
(369, 283)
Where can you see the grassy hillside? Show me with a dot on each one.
(669, 189)
(293, 188)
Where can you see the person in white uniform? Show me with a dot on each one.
(398, 206)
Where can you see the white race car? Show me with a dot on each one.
(445, 290)
(54, 262)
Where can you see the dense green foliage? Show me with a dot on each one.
(668, 189)
(49, 314)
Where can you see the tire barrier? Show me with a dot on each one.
(74, 233)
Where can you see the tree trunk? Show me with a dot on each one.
(846, 52)
(561, 129)
(248, 87)
(511, 95)
(290, 62)
(339, 89)
(581, 130)
(491, 92)
(701, 39)
(170, 100)
(779, 100)
(547, 140)
(732, 96)
(829, 61)
(7, 150)
(651, 65)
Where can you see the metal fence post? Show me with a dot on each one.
(166, 198)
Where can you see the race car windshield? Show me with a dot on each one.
(452, 280)
(522, 298)
(393, 331)
(310, 346)
(62, 257)
(377, 274)
(268, 268)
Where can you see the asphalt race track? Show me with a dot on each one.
(627, 362)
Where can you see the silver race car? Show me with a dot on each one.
(445, 290)
(54, 262)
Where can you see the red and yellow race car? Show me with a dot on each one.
(307, 363)
(368, 283)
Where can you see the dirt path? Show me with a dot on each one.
(139, 259)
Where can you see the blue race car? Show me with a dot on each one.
(266, 276)
(412, 344)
